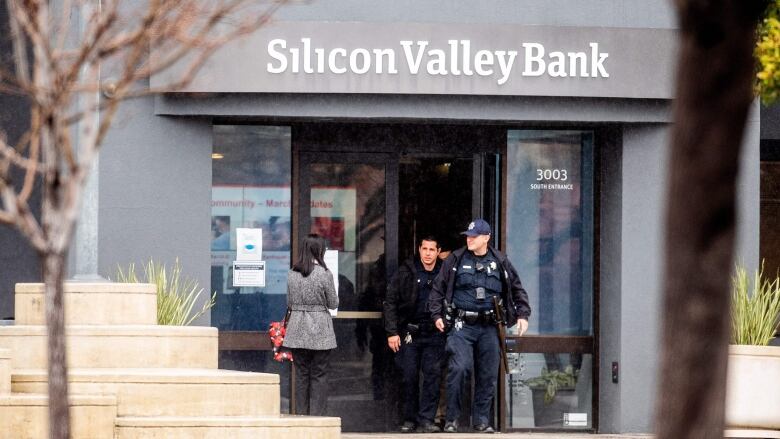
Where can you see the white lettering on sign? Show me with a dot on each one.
(457, 58)
(275, 54)
(534, 64)
(413, 62)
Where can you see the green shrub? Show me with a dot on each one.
(767, 55)
(755, 308)
(176, 296)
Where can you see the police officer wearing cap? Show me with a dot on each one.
(463, 294)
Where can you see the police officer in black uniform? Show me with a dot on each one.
(463, 295)
(412, 335)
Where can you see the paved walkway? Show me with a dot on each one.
(752, 434)
(497, 435)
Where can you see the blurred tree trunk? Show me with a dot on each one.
(715, 79)
(54, 275)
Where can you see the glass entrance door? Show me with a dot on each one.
(346, 197)
(550, 239)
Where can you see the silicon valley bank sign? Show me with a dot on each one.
(458, 59)
(418, 58)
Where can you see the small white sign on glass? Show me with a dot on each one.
(331, 259)
(249, 274)
(249, 244)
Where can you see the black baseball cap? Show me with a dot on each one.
(477, 227)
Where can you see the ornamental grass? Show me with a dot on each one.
(755, 308)
(176, 295)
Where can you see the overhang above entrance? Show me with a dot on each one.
(447, 59)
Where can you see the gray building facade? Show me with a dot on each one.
(374, 160)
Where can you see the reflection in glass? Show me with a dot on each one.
(550, 226)
(363, 389)
(250, 189)
(348, 209)
(542, 397)
(770, 215)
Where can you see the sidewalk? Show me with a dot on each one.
(496, 435)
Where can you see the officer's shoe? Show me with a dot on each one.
(451, 427)
(483, 428)
(407, 427)
(428, 427)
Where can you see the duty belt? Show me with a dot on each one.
(474, 317)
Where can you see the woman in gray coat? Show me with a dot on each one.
(310, 336)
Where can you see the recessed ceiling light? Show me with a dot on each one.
(217, 156)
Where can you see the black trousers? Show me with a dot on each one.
(425, 354)
(311, 381)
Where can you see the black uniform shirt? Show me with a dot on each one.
(474, 272)
(424, 285)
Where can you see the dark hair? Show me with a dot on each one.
(312, 251)
(428, 238)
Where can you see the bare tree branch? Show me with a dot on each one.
(19, 42)
(11, 84)
(32, 170)
(30, 17)
(104, 23)
(18, 213)
(62, 30)
(206, 49)
(10, 156)
(58, 69)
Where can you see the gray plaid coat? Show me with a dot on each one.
(310, 325)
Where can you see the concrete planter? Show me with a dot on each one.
(753, 388)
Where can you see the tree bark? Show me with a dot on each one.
(59, 415)
(713, 97)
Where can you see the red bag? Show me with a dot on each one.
(277, 331)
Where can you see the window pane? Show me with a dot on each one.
(250, 188)
(348, 210)
(348, 202)
(549, 391)
(770, 216)
(550, 226)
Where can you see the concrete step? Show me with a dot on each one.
(27, 416)
(288, 427)
(751, 433)
(5, 371)
(170, 392)
(91, 304)
(128, 346)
